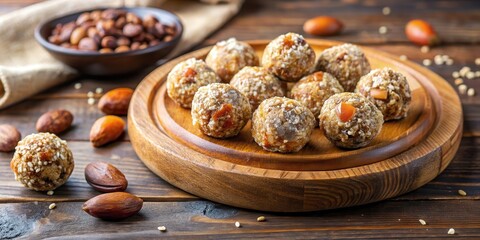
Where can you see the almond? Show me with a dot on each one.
(106, 129)
(55, 121)
(116, 101)
(104, 177)
(113, 206)
(421, 33)
(9, 137)
(323, 26)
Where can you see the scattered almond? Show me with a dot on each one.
(106, 129)
(421, 33)
(113, 206)
(104, 177)
(9, 137)
(116, 101)
(323, 26)
(55, 121)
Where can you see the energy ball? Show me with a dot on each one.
(186, 78)
(314, 89)
(219, 110)
(42, 162)
(282, 125)
(349, 120)
(345, 62)
(289, 57)
(228, 57)
(388, 90)
(257, 84)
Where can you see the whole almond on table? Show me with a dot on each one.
(113, 206)
(9, 137)
(104, 177)
(116, 101)
(55, 121)
(106, 129)
(323, 26)
(421, 33)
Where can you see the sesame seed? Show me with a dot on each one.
(386, 11)
(455, 74)
(403, 57)
(77, 86)
(261, 219)
(424, 49)
(477, 61)
(438, 60)
(383, 30)
(50, 193)
(458, 81)
(52, 206)
(464, 71)
(422, 222)
(427, 62)
(462, 193)
(90, 94)
(237, 224)
(471, 92)
(477, 74)
(451, 231)
(162, 229)
(470, 75)
(99, 90)
(449, 61)
(91, 101)
(462, 89)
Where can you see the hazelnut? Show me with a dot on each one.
(109, 42)
(88, 44)
(132, 30)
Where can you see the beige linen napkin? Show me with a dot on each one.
(26, 68)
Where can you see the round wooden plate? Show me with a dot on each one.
(406, 155)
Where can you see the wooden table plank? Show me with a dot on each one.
(204, 220)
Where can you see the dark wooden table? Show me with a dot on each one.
(25, 213)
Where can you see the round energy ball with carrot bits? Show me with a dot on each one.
(282, 125)
(314, 89)
(345, 62)
(389, 90)
(219, 110)
(228, 57)
(257, 84)
(289, 57)
(42, 162)
(350, 120)
(186, 78)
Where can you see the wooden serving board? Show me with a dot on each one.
(406, 155)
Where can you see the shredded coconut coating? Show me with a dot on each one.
(257, 84)
(396, 105)
(228, 57)
(346, 62)
(314, 89)
(219, 110)
(357, 132)
(282, 125)
(186, 78)
(289, 57)
(42, 162)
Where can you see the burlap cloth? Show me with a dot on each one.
(26, 68)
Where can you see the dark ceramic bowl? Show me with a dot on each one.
(101, 64)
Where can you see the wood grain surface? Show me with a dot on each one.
(438, 202)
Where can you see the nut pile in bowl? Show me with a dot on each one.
(111, 30)
(339, 93)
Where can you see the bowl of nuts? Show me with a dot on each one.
(111, 41)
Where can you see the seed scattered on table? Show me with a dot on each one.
(458, 81)
(462, 89)
(383, 30)
(386, 11)
(463, 72)
(422, 222)
(237, 224)
(427, 62)
(77, 86)
(50, 193)
(403, 57)
(425, 49)
(99, 90)
(451, 231)
(90, 94)
(462, 193)
(162, 229)
(261, 219)
(470, 75)
(471, 92)
(477, 61)
(449, 61)
(456, 74)
(91, 101)
(438, 59)
(52, 206)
